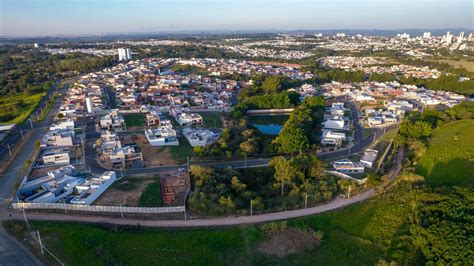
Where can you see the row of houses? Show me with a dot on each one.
(67, 185)
(335, 125)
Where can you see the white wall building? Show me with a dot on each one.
(200, 137)
(92, 188)
(124, 54)
(369, 158)
(56, 157)
(162, 136)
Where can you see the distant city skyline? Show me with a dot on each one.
(89, 17)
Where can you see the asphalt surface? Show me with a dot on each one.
(12, 252)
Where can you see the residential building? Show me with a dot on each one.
(92, 188)
(189, 119)
(369, 158)
(124, 54)
(346, 166)
(200, 137)
(162, 136)
(56, 157)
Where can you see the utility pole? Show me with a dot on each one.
(9, 149)
(21, 132)
(375, 133)
(306, 201)
(251, 207)
(31, 123)
(24, 217)
(40, 242)
(121, 210)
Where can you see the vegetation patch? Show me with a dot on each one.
(281, 241)
(449, 158)
(151, 197)
(134, 120)
(211, 119)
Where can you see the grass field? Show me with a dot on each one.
(151, 197)
(23, 110)
(211, 119)
(179, 153)
(134, 120)
(358, 235)
(449, 159)
(468, 65)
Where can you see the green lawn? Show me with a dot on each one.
(358, 235)
(179, 153)
(151, 197)
(449, 159)
(211, 119)
(25, 105)
(134, 120)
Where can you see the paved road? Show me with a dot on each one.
(11, 252)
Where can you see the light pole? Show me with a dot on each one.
(9, 149)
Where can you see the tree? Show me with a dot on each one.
(227, 202)
(284, 171)
(237, 185)
(248, 147)
(272, 84)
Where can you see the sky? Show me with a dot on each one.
(84, 17)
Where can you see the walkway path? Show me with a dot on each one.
(333, 205)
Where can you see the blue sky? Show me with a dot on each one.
(72, 17)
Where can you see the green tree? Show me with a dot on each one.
(284, 172)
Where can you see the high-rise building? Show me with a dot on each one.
(448, 38)
(124, 54)
(460, 37)
(426, 35)
(470, 37)
(36, 45)
(89, 105)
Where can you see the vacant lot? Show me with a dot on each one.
(211, 119)
(449, 159)
(151, 197)
(131, 191)
(134, 120)
(468, 65)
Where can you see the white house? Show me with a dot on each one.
(199, 137)
(162, 136)
(346, 166)
(57, 138)
(56, 157)
(332, 138)
(336, 122)
(189, 119)
(369, 158)
(92, 188)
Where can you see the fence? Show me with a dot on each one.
(89, 208)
